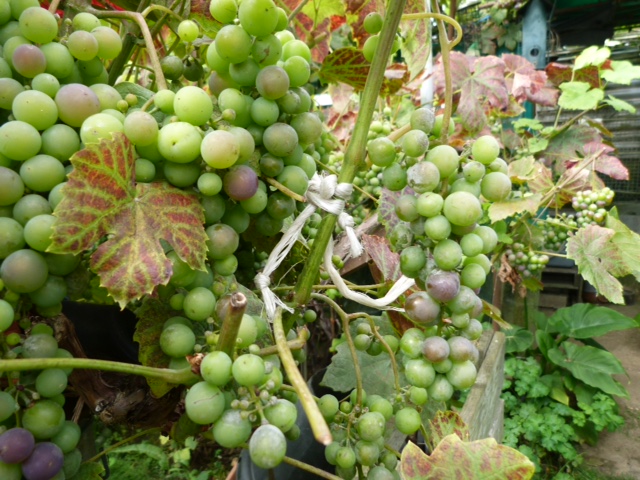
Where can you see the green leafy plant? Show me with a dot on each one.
(559, 388)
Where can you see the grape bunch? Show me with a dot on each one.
(525, 260)
(591, 206)
(45, 446)
(555, 230)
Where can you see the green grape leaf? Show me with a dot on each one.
(622, 71)
(628, 244)
(529, 123)
(482, 84)
(517, 339)
(446, 422)
(325, 9)
(453, 458)
(345, 65)
(568, 145)
(537, 144)
(152, 313)
(378, 374)
(598, 259)
(89, 471)
(501, 210)
(593, 366)
(593, 55)
(416, 44)
(104, 208)
(522, 170)
(579, 96)
(619, 105)
(584, 320)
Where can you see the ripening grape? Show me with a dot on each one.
(16, 444)
(421, 308)
(231, 430)
(267, 446)
(38, 25)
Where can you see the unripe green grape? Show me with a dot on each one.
(415, 143)
(85, 21)
(489, 238)
(382, 151)
(485, 149)
(177, 340)
(406, 208)
(446, 158)
(408, 420)
(233, 43)
(367, 453)
(496, 186)
(422, 119)
(248, 370)
(164, 99)
(437, 126)
(224, 11)
(204, 403)
(51, 382)
(179, 142)
(440, 390)
(423, 177)
(429, 204)
(481, 260)
(471, 245)
(447, 254)
(437, 228)
(181, 174)
(462, 209)
(258, 17)
(38, 25)
(298, 70)
(272, 82)
(394, 177)
(473, 330)
(109, 42)
(473, 171)
(412, 260)
(373, 23)
(19, 140)
(7, 315)
(294, 48)
(370, 47)
(82, 45)
(473, 276)
(188, 31)
(419, 372)
(24, 271)
(328, 405)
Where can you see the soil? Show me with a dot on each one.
(618, 453)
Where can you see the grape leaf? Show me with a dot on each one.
(574, 180)
(558, 73)
(593, 55)
(446, 423)
(517, 339)
(386, 207)
(592, 365)
(508, 208)
(102, 203)
(568, 145)
(478, 460)
(387, 261)
(584, 320)
(152, 313)
(483, 85)
(598, 153)
(346, 65)
(340, 375)
(579, 96)
(621, 71)
(356, 11)
(619, 105)
(522, 78)
(321, 11)
(628, 244)
(540, 180)
(598, 259)
(416, 34)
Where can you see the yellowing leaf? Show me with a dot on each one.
(599, 260)
(622, 71)
(628, 245)
(455, 459)
(522, 169)
(592, 56)
(104, 209)
(501, 210)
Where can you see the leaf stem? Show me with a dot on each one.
(440, 17)
(318, 424)
(178, 377)
(356, 150)
(310, 468)
(287, 191)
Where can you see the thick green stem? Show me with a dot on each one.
(356, 151)
(230, 311)
(178, 377)
(318, 424)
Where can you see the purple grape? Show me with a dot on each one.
(435, 349)
(240, 183)
(16, 444)
(443, 286)
(421, 308)
(45, 462)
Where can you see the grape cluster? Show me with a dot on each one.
(526, 261)
(591, 206)
(46, 445)
(556, 229)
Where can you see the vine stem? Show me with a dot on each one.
(310, 468)
(356, 150)
(162, 8)
(445, 48)
(146, 34)
(231, 314)
(122, 442)
(183, 376)
(318, 424)
(287, 191)
(344, 318)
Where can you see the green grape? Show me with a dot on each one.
(440, 390)
(280, 206)
(247, 332)
(258, 17)
(220, 149)
(40, 345)
(44, 419)
(415, 143)
(264, 112)
(75, 103)
(464, 301)
(231, 430)
(462, 209)
(345, 458)
(145, 170)
(412, 260)
(447, 254)
(214, 208)
(422, 119)
(24, 271)
(485, 149)
(42, 172)
(298, 70)
(181, 174)
(141, 128)
(282, 414)
(489, 238)
(308, 127)
(51, 294)
(255, 204)
(224, 11)
(85, 21)
(373, 23)
(233, 43)
(199, 304)
(7, 316)
(51, 382)
(244, 73)
(188, 31)
(370, 46)
(248, 370)
(7, 405)
(437, 126)
(294, 48)
(437, 228)
(411, 342)
(192, 104)
(29, 206)
(109, 42)
(429, 204)
(272, 82)
(38, 25)
(267, 51)
(473, 276)
(19, 140)
(99, 126)
(68, 437)
(177, 340)
(423, 177)
(367, 453)
(209, 183)
(328, 405)
(11, 187)
(294, 178)
(462, 375)
(462, 185)
(471, 245)
(267, 446)
(370, 426)
(419, 372)
(382, 151)
(394, 177)
(179, 142)
(82, 45)
(164, 99)
(446, 158)
(496, 186)
(204, 403)
(216, 368)
(60, 141)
